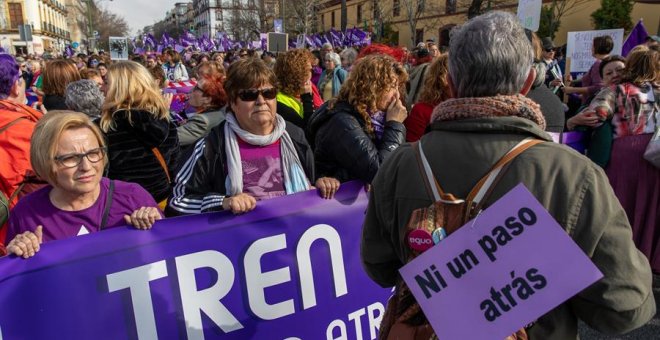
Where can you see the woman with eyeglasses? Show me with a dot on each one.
(68, 151)
(253, 155)
(143, 145)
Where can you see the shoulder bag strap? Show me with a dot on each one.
(161, 160)
(8, 125)
(108, 204)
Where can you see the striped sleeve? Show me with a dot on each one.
(191, 194)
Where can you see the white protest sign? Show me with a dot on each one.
(578, 47)
(529, 13)
(504, 269)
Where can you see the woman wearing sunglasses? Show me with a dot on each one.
(253, 155)
(68, 151)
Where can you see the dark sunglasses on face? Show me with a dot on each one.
(251, 95)
(549, 50)
(74, 159)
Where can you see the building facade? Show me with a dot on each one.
(48, 22)
(407, 22)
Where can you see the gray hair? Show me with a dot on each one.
(349, 54)
(489, 55)
(335, 58)
(327, 46)
(84, 96)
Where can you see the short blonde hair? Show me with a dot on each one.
(130, 86)
(45, 137)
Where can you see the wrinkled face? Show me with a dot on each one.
(329, 64)
(612, 72)
(86, 176)
(256, 116)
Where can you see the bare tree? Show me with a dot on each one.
(103, 21)
(242, 19)
(552, 13)
(305, 13)
(415, 10)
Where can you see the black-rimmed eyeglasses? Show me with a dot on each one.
(72, 160)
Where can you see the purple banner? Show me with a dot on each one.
(508, 266)
(290, 268)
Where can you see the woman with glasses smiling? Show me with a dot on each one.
(68, 151)
(253, 155)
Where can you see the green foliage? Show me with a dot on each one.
(549, 24)
(613, 14)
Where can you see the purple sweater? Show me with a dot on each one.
(36, 209)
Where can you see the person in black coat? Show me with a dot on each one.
(355, 133)
(143, 145)
(551, 107)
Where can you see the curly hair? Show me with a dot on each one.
(369, 79)
(292, 70)
(436, 88)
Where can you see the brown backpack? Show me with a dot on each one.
(403, 318)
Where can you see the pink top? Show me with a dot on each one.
(262, 170)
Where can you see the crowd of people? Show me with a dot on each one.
(101, 146)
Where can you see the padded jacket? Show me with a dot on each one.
(130, 154)
(343, 149)
(575, 191)
(200, 184)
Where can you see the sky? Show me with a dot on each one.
(139, 13)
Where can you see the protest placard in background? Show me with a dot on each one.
(578, 47)
(504, 269)
(529, 13)
(290, 269)
(118, 48)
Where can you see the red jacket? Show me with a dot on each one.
(417, 121)
(15, 148)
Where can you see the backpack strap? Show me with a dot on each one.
(485, 185)
(161, 160)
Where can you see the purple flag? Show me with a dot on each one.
(68, 50)
(150, 41)
(637, 36)
(165, 40)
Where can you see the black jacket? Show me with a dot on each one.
(131, 156)
(343, 149)
(200, 186)
(54, 102)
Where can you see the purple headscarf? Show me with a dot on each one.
(9, 73)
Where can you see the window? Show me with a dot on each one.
(450, 7)
(322, 22)
(333, 18)
(15, 15)
(419, 35)
(359, 14)
(251, 4)
(218, 14)
(396, 8)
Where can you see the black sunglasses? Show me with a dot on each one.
(252, 94)
(550, 50)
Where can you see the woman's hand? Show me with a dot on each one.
(239, 204)
(327, 187)
(26, 244)
(307, 86)
(585, 118)
(396, 111)
(143, 218)
(168, 98)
